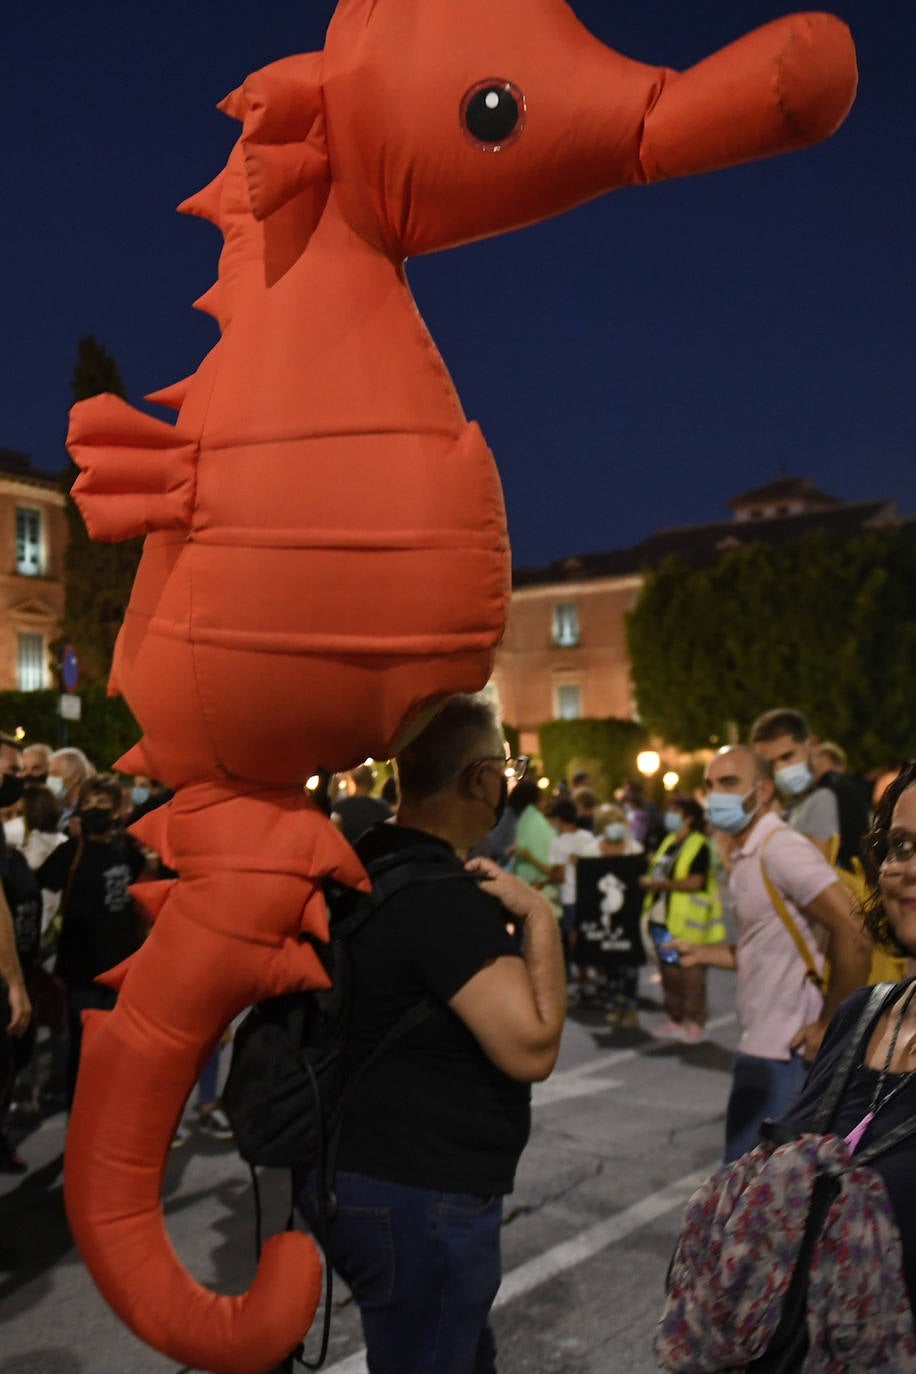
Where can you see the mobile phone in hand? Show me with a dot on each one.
(661, 938)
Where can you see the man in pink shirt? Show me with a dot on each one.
(782, 1013)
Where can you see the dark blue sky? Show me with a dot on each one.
(633, 364)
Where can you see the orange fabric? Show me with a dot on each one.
(326, 552)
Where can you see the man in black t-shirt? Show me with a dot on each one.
(360, 809)
(435, 1127)
(99, 923)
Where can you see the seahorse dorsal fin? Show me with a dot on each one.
(283, 138)
(209, 302)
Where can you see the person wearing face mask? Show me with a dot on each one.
(682, 895)
(827, 807)
(432, 1135)
(99, 924)
(68, 769)
(782, 1012)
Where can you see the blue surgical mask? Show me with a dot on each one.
(725, 811)
(616, 831)
(673, 821)
(139, 796)
(794, 780)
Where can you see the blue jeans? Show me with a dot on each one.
(761, 1088)
(423, 1267)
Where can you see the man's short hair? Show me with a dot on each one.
(581, 778)
(465, 730)
(363, 776)
(563, 810)
(75, 760)
(102, 785)
(585, 799)
(781, 721)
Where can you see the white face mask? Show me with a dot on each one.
(56, 784)
(794, 780)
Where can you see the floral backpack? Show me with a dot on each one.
(790, 1259)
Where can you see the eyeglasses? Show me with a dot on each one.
(899, 848)
(514, 769)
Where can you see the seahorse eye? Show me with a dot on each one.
(493, 114)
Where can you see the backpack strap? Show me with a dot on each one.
(880, 996)
(785, 915)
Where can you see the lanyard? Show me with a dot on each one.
(877, 1101)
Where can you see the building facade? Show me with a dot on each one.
(33, 539)
(565, 654)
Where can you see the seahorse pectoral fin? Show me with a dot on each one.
(786, 85)
(137, 473)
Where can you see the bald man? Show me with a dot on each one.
(782, 1012)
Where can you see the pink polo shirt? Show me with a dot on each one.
(775, 997)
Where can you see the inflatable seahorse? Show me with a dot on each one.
(326, 554)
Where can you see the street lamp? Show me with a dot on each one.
(648, 762)
(670, 780)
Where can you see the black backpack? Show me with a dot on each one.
(289, 1078)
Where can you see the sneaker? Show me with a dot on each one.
(693, 1033)
(181, 1137)
(670, 1030)
(215, 1123)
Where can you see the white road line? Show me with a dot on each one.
(561, 1088)
(576, 1250)
(610, 1061)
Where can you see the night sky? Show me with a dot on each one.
(633, 365)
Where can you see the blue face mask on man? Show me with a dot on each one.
(725, 811)
(616, 831)
(795, 779)
(139, 796)
(673, 820)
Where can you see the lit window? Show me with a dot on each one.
(29, 561)
(565, 624)
(569, 701)
(31, 663)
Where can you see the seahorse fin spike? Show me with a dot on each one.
(205, 203)
(114, 977)
(234, 104)
(152, 830)
(137, 759)
(209, 301)
(170, 396)
(151, 897)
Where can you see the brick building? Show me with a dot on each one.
(33, 538)
(564, 654)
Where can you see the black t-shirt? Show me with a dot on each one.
(433, 1112)
(100, 925)
(357, 813)
(898, 1166)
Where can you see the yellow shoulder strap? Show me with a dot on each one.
(785, 915)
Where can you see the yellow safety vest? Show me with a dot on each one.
(694, 916)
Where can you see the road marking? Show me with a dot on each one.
(560, 1088)
(610, 1061)
(575, 1251)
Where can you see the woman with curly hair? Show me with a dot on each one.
(881, 1093)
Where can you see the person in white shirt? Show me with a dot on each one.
(572, 843)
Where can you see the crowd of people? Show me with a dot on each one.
(780, 867)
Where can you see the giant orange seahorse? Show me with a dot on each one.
(326, 552)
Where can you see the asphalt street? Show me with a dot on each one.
(624, 1130)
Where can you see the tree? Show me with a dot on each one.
(606, 749)
(825, 626)
(97, 577)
